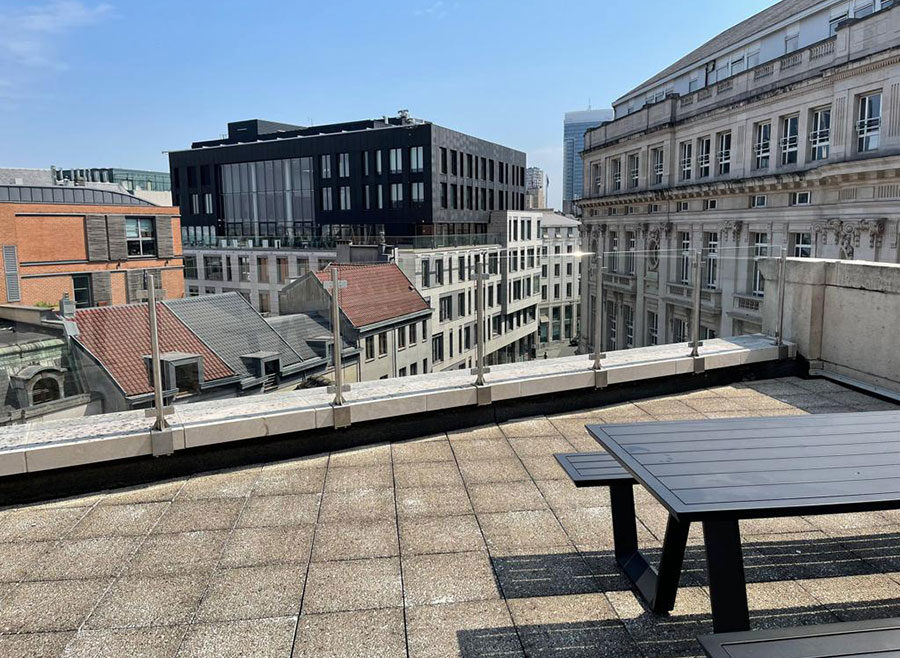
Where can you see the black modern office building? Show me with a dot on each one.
(396, 175)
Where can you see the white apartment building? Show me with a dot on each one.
(559, 310)
(445, 276)
(781, 132)
(256, 271)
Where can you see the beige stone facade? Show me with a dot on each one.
(800, 152)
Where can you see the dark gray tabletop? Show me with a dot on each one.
(763, 467)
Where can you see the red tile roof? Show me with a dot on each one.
(375, 292)
(119, 337)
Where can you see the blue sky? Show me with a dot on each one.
(88, 83)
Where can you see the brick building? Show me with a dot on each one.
(94, 245)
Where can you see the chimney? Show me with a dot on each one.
(66, 307)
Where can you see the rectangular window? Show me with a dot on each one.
(229, 275)
(437, 350)
(652, 328)
(443, 160)
(799, 199)
(712, 259)
(190, 267)
(378, 163)
(762, 144)
(207, 203)
(326, 198)
(344, 165)
(416, 159)
(396, 195)
(612, 329)
(682, 206)
(401, 338)
(195, 204)
(628, 318)
(426, 273)
(417, 192)
(760, 250)
(685, 239)
(679, 330)
(244, 268)
(382, 343)
(380, 196)
(281, 269)
(658, 165)
(820, 133)
(802, 245)
(792, 39)
(723, 153)
(396, 160)
(868, 124)
(758, 201)
(365, 161)
(370, 348)
(326, 166)
(704, 156)
(686, 150)
(630, 244)
(614, 251)
(444, 200)
(616, 170)
(345, 198)
(710, 204)
(140, 236)
(412, 334)
(633, 170)
(367, 197)
(262, 269)
(789, 139)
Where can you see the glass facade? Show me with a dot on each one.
(574, 127)
(269, 198)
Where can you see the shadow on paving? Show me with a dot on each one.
(771, 561)
(645, 636)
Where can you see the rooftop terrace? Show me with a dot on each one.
(468, 543)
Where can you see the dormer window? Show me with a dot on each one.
(182, 373)
(266, 366)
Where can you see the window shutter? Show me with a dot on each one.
(95, 229)
(134, 284)
(101, 288)
(118, 248)
(11, 273)
(164, 245)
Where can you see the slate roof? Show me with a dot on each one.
(231, 327)
(119, 338)
(375, 292)
(730, 37)
(298, 328)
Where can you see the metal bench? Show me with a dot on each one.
(877, 638)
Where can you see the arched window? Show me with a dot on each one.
(45, 389)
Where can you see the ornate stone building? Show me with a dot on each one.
(783, 132)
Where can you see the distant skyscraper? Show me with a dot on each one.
(535, 192)
(574, 126)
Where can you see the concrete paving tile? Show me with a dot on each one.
(259, 638)
(814, 402)
(667, 635)
(429, 474)
(544, 467)
(433, 501)
(874, 521)
(664, 407)
(150, 601)
(570, 426)
(528, 427)
(775, 387)
(188, 515)
(787, 524)
(34, 645)
(86, 558)
(152, 642)
(353, 540)
(358, 477)
(18, 559)
(563, 494)
(309, 461)
(663, 417)
(585, 524)
(158, 492)
(491, 431)
(480, 449)
(272, 590)
(856, 598)
(847, 397)
(178, 552)
(444, 534)
(269, 511)
(546, 572)
(534, 529)
(252, 546)
(448, 578)
(358, 505)
(227, 484)
(539, 611)
(463, 630)
(422, 450)
(282, 481)
(353, 585)
(120, 520)
(506, 496)
(50, 605)
(494, 470)
(537, 446)
(371, 455)
(718, 404)
(800, 556)
(29, 524)
(784, 604)
(729, 414)
(818, 385)
(370, 633)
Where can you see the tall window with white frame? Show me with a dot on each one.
(628, 320)
(613, 251)
(345, 197)
(658, 165)
(723, 153)
(416, 159)
(396, 195)
(326, 166)
(396, 160)
(630, 244)
(820, 133)
(686, 151)
(704, 156)
(868, 124)
(684, 239)
(140, 236)
(760, 250)
(762, 136)
(326, 198)
(802, 245)
(789, 139)
(616, 174)
(344, 165)
(633, 170)
(679, 330)
(652, 328)
(612, 329)
(712, 258)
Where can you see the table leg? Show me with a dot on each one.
(727, 584)
(657, 588)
